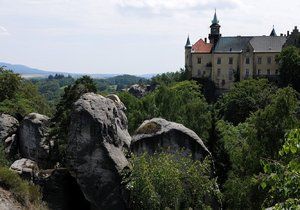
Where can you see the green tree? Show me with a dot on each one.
(170, 181)
(9, 84)
(18, 96)
(289, 60)
(61, 118)
(259, 137)
(243, 99)
(170, 77)
(281, 178)
(180, 102)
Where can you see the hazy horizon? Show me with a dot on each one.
(126, 36)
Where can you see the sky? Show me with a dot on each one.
(126, 36)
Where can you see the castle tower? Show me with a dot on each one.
(188, 57)
(273, 32)
(214, 35)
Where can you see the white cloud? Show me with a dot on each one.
(87, 34)
(3, 31)
(172, 7)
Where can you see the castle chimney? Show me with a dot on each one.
(288, 33)
(205, 40)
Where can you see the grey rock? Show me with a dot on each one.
(8, 201)
(60, 190)
(159, 134)
(97, 140)
(33, 142)
(8, 126)
(25, 167)
(11, 146)
(140, 91)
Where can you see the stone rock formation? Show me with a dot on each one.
(25, 167)
(97, 139)
(140, 90)
(159, 134)
(8, 126)
(60, 190)
(32, 136)
(8, 201)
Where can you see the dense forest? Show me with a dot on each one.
(252, 131)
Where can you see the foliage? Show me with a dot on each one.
(261, 136)
(20, 96)
(126, 80)
(243, 99)
(179, 102)
(170, 77)
(61, 118)
(23, 191)
(52, 87)
(9, 84)
(170, 181)
(289, 60)
(3, 160)
(282, 178)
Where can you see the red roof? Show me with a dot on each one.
(201, 47)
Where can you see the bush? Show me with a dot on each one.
(170, 181)
(23, 191)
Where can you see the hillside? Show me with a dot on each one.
(29, 72)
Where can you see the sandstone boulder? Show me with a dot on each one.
(32, 135)
(97, 139)
(25, 167)
(140, 90)
(8, 126)
(11, 145)
(159, 134)
(60, 190)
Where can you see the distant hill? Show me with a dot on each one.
(28, 72)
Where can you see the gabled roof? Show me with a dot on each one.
(201, 47)
(232, 44)
(268, 43)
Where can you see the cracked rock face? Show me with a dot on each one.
(97, 139)
(8, 126)
(32, 135)
(159, 134)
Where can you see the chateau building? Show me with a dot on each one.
(228, 59)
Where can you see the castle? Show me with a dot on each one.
(228, 59)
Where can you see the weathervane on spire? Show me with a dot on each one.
(215, 20)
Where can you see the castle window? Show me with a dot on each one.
(268, 72)
(230, 61)
(219, 61)
(276, 72)
(199, 72)
(259, 60)
(204, 72)
(199, 60)
(258, 72)
(219, 72)
(247, 73)
(247, 60)
(269, 60)
(223, 82)
(230, 74)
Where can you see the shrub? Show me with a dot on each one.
(23, 191)
(170, 181)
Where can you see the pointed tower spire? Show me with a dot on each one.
(273, 32)
(215, 20)
(188, 43)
